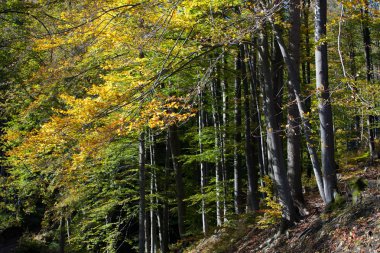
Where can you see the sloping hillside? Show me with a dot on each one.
(347, 227)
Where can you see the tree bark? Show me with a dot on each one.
(256, 106)
(324, 105)
(293, 131)
(153, 200)
(223, 132)
(175, 147)
(368, 60)
(253, 199)
(306, 69)
(294, 88)
(202, 165)
(164, 244)
(142, 193)
(218, 171)
(279, 170)
(278, 82)
(61, 236)
(238, 193)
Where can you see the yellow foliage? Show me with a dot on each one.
(275, 209)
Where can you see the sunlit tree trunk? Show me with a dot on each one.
(223, 131)
(279, 170)
(218, 171)
(278, 82)
(324, 105)
(294, 88)
(202, 165)
(142, 193)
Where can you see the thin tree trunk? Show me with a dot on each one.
(147, 221)
(278, 82)
(253, 199)
(256, 107)
(221, 139)
(153, 217)
(367, 50)
(280, 177)
(223, 130)
(159, 217)
(142, 193)
(61, 236)
(218, 172)
(307, 69)
(68, 230)
(324, 105)
(238, 193)
(353, 72)
(202, 165)
(174, 147)
(164, 245)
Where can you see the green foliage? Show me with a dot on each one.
(79, 80)
(357, 186)
(28, 244)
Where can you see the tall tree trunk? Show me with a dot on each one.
(218, 171)
(253, 199)
(202, 164)
(159, 218)
(153, 216)
(294, 88)
(142, 193)
(175, 147)
(355, 142)
(278, 82)
(293, 131)
(324, 105)
(147, 225)
(306, 70)
(367, 50)
(256, 106)
(223, 130)
(61, 236)
(238, 193)
(164, 245)
(279, 170)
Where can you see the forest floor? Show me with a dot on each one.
(348, 227)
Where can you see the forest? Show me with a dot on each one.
(156, 125)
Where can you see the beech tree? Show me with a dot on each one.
(136, 126)
(324, 103)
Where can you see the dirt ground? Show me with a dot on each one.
(348, 228)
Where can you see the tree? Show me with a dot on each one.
(142, 193)
(369, 74)
(282, 184)
(238, 203)
(324, 104)
(293, 132)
